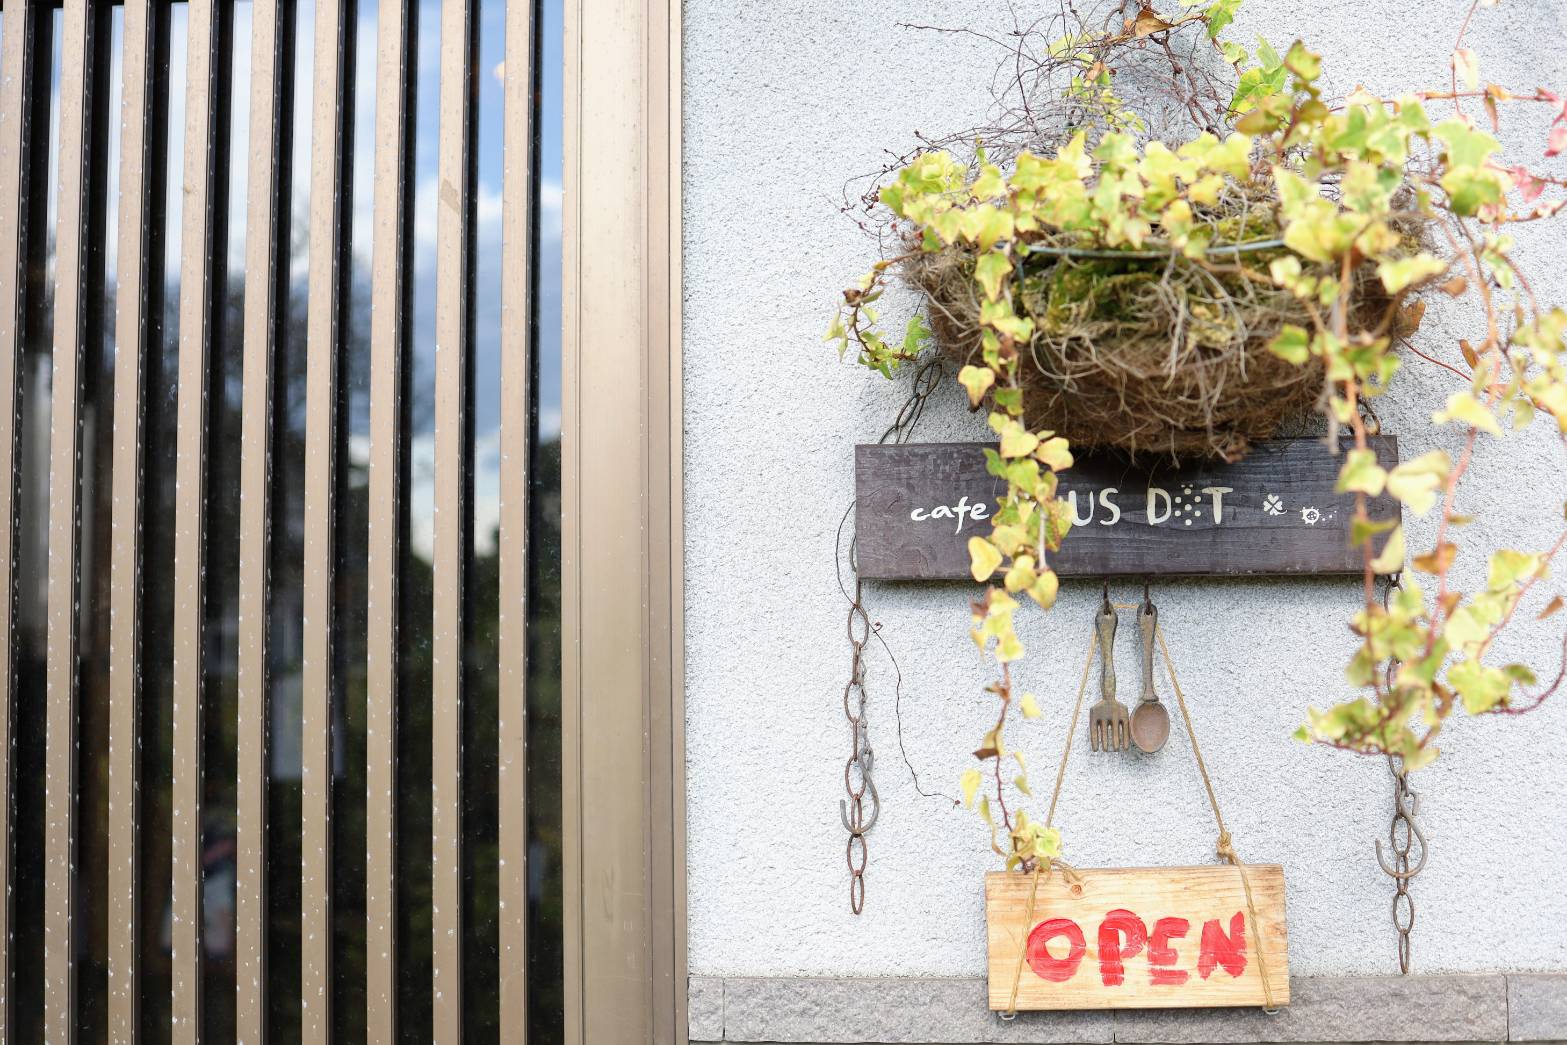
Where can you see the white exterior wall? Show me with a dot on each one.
(783, 102)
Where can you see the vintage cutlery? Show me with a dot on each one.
(1150, 720)
(1107, 722)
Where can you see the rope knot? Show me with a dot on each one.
(1225, 850)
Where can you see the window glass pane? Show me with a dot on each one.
(97, 457)
(481, 751)
(414, 629)
(157, 608)
(285, 608)
(546, 955)
(220, 660)
(30, 700)
(351, 621)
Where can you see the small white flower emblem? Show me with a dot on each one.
(1310, 516)
(1272, 505)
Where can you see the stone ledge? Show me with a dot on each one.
(890, 1010)
(951, 1011)
(705, 1008)
(1537, 1007)
(1342, 1009)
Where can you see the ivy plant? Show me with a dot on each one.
(1337, 175)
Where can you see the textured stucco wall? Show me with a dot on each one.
(784, 101)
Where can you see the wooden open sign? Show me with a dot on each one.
(1138, 938)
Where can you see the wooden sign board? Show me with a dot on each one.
(1273, 512)
(1138, 938)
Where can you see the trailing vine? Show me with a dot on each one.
(1338, 187)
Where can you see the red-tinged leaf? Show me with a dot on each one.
(1554, 605)
(1439, 560)
(1490, 111)
(1470, 356)
(1455, 287)
(1556, 144)
(1148, 22)
(1529, 187)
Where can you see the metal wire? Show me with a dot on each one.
(1094, 253)
(858, 783)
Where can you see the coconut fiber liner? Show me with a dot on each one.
(1161, 355)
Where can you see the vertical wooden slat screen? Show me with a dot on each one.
(516, 431)
(389, 301)
(195, 317)
(323, 347)
(16, 103)
(452, 254)
(64, 514)
(263, 306)
(131, 346)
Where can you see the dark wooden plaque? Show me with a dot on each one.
(1274, 512)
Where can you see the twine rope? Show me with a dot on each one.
(1225, 848)
(1042, 868)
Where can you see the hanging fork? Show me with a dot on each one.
(1108, 721)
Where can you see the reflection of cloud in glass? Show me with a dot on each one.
(421, 478)
(487, 230)
(487, 331)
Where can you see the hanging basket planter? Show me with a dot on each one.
(1149, 351)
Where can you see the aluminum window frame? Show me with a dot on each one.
(622, 568)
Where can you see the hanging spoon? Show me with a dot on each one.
(1150, 720)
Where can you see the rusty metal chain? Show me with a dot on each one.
(1403, 834)
(858, 782)
(857, 770)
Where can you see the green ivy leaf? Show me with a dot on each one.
(1416, 482)
(991, 271)
(1400, 273)
(1053, 453)
(977, 380)
(1464, 408)
(1482, 688)
(1391, 558)
(1017, 441)
(1292, 344)
(1466, 147)
(983, 559)
(1306, 65)
(1361, 474)
(1046, 585)
(969, 783)
(1510, 567)
(986, 225)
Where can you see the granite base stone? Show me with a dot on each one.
(947, 1011)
